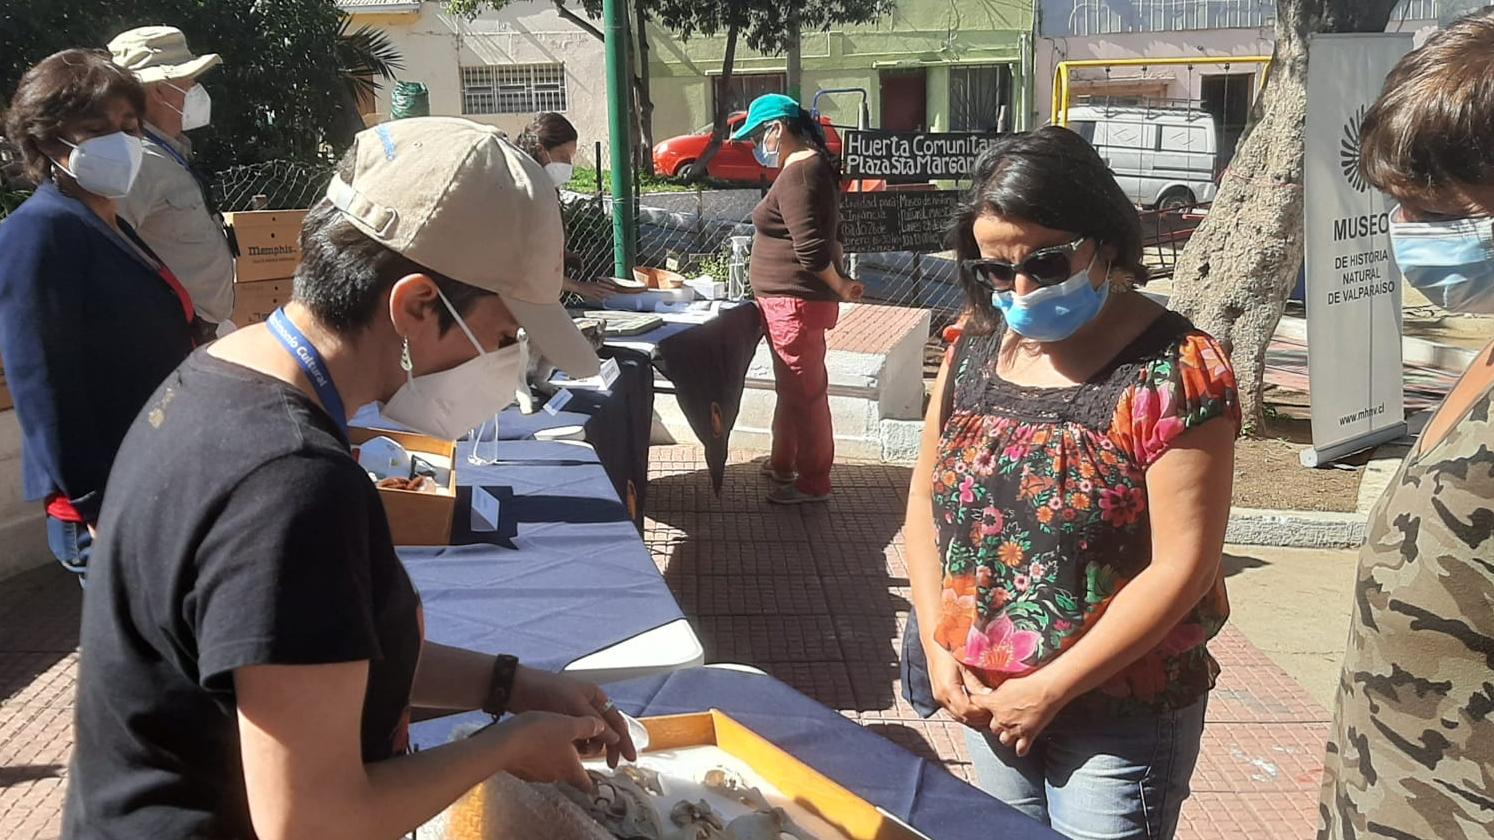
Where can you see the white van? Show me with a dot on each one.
(1162, 157)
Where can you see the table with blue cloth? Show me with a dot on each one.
(563, 580)
(914, 790)
(706, 362)
(616, 422)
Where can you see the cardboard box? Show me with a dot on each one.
(417, 518)
(853, 816)
(253, 302)
(269, 243)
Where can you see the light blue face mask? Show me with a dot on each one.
(1451, 262)
(765, 157)
(1053, 313)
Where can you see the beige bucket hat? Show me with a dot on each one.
(457, 198)
(159, 54)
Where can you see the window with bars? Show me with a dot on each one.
(1415, 10)
(513, 88)
(1074, 18)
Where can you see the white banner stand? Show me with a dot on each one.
(1353, 294)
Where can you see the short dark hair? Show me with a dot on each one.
(61, 89)
(547, 131)
(344, 274)
(1050, 177)
(1433, 126)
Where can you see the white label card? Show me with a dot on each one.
(484, 510)
(610, 372)
(558, 402)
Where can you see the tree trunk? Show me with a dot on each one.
(793, 60)
(1234, 276)
(643, 100)
(723, 106)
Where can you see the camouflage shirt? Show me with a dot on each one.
(1411, 753)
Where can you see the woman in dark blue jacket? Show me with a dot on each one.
(91, 321)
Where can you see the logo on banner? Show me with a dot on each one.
(718, 423)
(1348, 150)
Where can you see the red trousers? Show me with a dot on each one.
(803, 438)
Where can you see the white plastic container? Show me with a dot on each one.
(707, 287)
(649, 301)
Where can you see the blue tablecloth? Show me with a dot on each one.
(912, 789)
(618, 424)
(707, 364)
(563, 576)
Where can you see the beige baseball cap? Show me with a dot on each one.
(457, 198)
(159, 54)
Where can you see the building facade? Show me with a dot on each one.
(500, 69)
(932, 64)
(1071, 30)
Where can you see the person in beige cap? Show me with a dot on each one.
(171, 205)
(253, 650)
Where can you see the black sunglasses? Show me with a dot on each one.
(1047, 267)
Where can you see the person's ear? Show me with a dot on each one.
(413, 300)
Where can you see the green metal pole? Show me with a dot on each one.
(619, 118)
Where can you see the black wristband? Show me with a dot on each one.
(501, 688)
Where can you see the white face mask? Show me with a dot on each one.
(449, 403)
(560, 172)
(196, 110)
(105, 166)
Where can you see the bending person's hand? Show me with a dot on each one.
(536, 690)
(547, 747)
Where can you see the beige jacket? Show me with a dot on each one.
(167, 209)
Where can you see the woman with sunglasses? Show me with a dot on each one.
(798, 284)
(91, 320)
(1067, 514)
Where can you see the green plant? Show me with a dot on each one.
(584, 180)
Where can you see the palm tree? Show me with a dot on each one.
(364, 57)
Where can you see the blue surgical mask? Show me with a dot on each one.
(1451, 262)
(765, 157)
(1053, 313)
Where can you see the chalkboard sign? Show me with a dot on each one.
(912, 155)
(896, 220)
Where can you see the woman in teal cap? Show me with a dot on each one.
(798, 284)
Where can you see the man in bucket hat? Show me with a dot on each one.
(171, 205)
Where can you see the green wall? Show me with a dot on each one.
(935, 34)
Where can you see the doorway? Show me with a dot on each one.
(905, 100)
(1226, 96)
(980, 98)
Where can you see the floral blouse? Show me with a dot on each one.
(1041, 508)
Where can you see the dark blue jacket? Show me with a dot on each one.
(88, 329)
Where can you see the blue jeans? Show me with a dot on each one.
(71, 544)
(1098, 777)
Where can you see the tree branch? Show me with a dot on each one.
(581, 22)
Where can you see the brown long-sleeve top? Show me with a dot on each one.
(798, 223)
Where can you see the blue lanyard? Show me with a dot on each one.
(301, 349)
(170, 150)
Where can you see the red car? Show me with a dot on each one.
(734, 162)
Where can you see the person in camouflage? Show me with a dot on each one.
(1411, 752)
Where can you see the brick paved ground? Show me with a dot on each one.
(815, 596)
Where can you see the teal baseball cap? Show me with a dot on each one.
(765, 109)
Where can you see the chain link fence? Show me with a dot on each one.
(272, 185)
(691, 233)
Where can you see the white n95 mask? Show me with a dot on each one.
(449, 403)
(105, 166)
